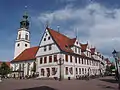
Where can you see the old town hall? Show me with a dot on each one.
(56, 56)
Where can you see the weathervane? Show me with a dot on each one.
(47, 24)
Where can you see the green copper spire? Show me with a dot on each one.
(24, 23)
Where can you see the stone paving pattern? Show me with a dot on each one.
(105, 83)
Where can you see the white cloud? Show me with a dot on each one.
(95, 23)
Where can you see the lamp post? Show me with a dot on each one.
(60, 62)
(117, 69)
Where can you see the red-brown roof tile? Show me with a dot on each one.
(27, 54)
(62, 41)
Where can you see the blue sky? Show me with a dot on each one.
(101, 28)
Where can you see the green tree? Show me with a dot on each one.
(4, 69)
(108, 68)
(112, 67)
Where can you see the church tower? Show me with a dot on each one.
(23, 36)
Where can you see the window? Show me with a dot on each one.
(87, 61)
(50, 59)
(46, 34)
(82, 70)
(71, 70)
(76, 71)
(25, 45)
(19, 36)
(79, 70)
(26, 37)
(18, 44)
(66, 58)
(70, 58)
(50, 47)
(90, 62)
(44, 48)
(76, 42)
(45, 59)
(55, 58)
(75, 59)
(41, 60)
(85, 70)
(66, 70)
(78, 50)
(53, 71)
(49, 38)
(44, 39)
(20, 67)
(87, 53)
(42, 72)
(75, 49)
(79, 60)
(82, 60)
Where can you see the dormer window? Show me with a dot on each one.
(49, 38)
(66, 46)
(44, 39)
(46, 34)
(79, 50)
(75, 49)
(77, 42)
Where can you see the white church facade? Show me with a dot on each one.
(24, 62)
(56, 56)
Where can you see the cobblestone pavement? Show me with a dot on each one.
(105, 83)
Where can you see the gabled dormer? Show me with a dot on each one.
(76, 47)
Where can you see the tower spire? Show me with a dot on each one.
(25, 23)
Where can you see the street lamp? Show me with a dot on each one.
(116, 61)
(60, 62)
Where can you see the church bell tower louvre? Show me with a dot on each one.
(23, 36)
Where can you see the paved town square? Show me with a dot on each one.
(104, 83)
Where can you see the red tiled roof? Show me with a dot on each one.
(62, 41)
(83, 47)
(27, 54)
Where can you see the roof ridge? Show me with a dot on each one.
(59, 33)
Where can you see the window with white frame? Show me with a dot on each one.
(44, 48)
(76, 70)
(50, 47)
(79, 70)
